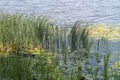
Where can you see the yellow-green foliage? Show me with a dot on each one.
(103, 31)
(19, 31)
(116, 65)
(13, 67)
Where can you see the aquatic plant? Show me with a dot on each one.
(46, 51)
(106, 61)
(103, 31)
(18, 31)
(116, 65)
(15, 68)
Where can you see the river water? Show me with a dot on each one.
(67, 11)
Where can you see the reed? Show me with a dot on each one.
(62, 52)
(21, 32)
(15, 68)
(106, 60)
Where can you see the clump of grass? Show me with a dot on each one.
(15, 68)
(74, 36)
(30, 34)
(21, 32)
(79, 37)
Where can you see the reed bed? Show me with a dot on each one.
(37, 49)
(21, 32)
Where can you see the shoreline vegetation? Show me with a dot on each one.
(33, 48)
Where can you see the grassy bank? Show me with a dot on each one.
(33, 48)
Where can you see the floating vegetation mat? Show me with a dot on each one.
(104, 31)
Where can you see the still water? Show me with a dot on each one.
(62, 11)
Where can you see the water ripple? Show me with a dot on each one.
(67, 10)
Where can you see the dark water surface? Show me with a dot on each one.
(100, 11)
